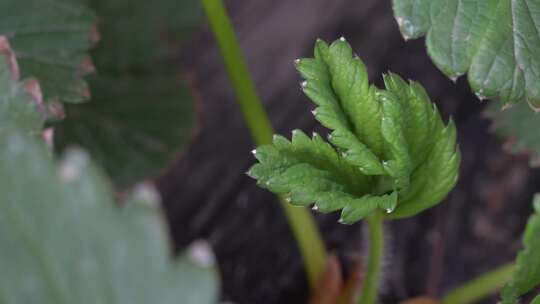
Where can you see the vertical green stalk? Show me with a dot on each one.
(300, 220)
(481, 287)
(370, 287)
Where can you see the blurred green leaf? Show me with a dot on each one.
(519, 125)
(141, 114)
(64, 240)
(17, 107)
(134, 127)
(495, 42)
(50, 39)
(527, 271)
(141, 36)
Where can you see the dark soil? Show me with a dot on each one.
(208, 196)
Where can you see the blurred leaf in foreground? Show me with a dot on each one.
(64, 240)
(62, 237)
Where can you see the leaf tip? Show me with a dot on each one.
(5, 50)
(201, 254)
(93, 35)
(86, 66)
(146, 194)
(73, 164)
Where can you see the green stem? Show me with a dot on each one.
(370, 287)
(300, 220)
(481, 287)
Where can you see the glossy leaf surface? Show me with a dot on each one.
(388, 148)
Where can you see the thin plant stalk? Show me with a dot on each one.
(300, 220)
(370, 287)
(481, 287)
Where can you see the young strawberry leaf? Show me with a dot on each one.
(388, 149)
(527, 271)
(495, 42)
(50, 39)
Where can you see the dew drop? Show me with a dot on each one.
(315, 207)
(342, 38)
(254, 151)
(303, 84)
(341, 221)
(314, 112)
(297, 61)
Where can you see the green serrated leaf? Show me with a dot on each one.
(389, 149)
(17, 105)
(141, 115)
(495, 42)
(64, 240)
(50, 39)
(133, 127)
(518, 124)
(137, 36)
(527, 271)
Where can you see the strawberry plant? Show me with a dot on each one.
(79, 215)
(390, 154)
